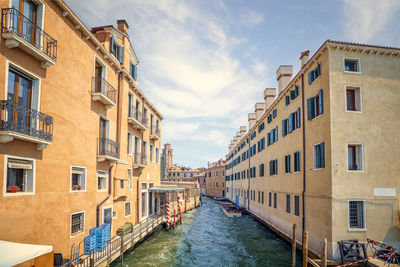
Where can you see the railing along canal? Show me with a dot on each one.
(111, 249)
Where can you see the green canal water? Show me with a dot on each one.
(208, 238)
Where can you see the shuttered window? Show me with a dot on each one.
(314, 74)
(288, 203)
(297, 205)
(287, 100)
(319, 156)
(287, 164)
(270, 199)
(315, 105)
(275, 201)
(296, 157)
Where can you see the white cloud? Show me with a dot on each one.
(366, 19)
(251, 17)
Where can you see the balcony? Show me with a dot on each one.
(103, 91)
(19, 31)
(155, 133)
(107, 150)
(20, 122)
(135, 118)
(139, 161)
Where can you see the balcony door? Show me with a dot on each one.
(103, 135)
(98, 74)
(24, 23)
(20, 94)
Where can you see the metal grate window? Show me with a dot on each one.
(288, 203)
(356, 214)
(77, 223)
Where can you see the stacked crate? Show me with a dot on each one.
(102, 236)
(90, 241)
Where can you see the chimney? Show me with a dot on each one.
(259, 110)
(252, 120)
(304, 57)
(243, 130)
(283, 75)
(269, 97)
(122, 26)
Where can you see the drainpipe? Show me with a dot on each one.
(248, 178)
(304, 153)
(137, 198)
(104, 200)
(118, 105)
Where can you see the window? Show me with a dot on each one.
(77, 223)
(157, 155)
(287, 164)
(261, 170)
(296, 157)
(319, 156)
(315, 105)
(270, 199)
(273, 167)
(78, 179)
(20, 176)
(133, 71)
(274, 113)
(127, 209)
(144, 185)
(297, 205)
(144, 151)
(355, 157)
(116, 50)
(259, 196)
(101, 180)
(294, 93)
(151, 153)
(352, 65)
(353, 99)
(356, 214)
(130, 140)
(121, 182)
(275, 201)
(130, 179)
(287, 100)
(288, 203)
(262, 197)
(314, 74)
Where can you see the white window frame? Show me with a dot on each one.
(151, 152)
(104, 65)
(101, 116)
(102, 213)
(364, 217)
(314, 162)
(131, 139)
(358, 65)
(352, 86)
(70, 179)
(130, 179)
(5, 194)
(70, 224)
(106, 176)
(361, 159)
(130, 208)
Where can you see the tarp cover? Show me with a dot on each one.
(14, 253)
(165, 189)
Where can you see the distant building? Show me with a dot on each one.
(168, 154)
(182, 174)
(215, 179)
(163, 169)
(201, 180)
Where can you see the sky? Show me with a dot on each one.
(205, 63)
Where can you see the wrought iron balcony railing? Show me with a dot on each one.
(145, 121)
(136, 114)
(155, 131)
(23, 120)
(100, 85)
(12, 21)
(108, 148)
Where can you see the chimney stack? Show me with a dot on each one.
(304, 57)
(122, 26)
(252, 120)
(259, 110)
(269, 97)
(283, 75)
(243, 130)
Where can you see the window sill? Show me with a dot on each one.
(78, 191)
(354, 111)
(315, 118)
(78, 234)
(357, 229)
(100, 190)
(128, 215)
(352, 72)
(356, 171)
(318, 169)
(18, 194)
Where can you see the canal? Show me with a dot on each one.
(208, 238)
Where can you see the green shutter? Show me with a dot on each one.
(296, 89)
(321, 101)
(309, 78)
(310, 108)
(283, 127)
(291, 123)
(288, 163)
(112, 45)
(276, 134)
(287, 100)
(120, 54)
(322, 155)
(319, 69)
(298, 122)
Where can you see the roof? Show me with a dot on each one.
(12, 253)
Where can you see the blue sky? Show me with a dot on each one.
(205, 64)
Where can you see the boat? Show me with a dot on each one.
(231, 211)
(219, 198)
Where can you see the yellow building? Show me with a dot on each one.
(80, 142)
(215, 179)
(323, 153)
(182, 174)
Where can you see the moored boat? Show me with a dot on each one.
(231, 211)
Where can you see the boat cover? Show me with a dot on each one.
(12, 253)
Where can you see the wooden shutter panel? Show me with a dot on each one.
(283, 128)
(321, 101)
(120, 54)
(310, 108)
(319, 69)
(287, 100)
(290, 123)
(288, 163)
(298, 122)
(310, 77)
(296, 89)
(276, 134)
(112, 44)
(322, 155)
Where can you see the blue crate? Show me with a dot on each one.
(92, 231)
(89, 244)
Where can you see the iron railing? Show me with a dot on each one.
(105, 251)
(155, 131)
(12, 21)
(145, 121)
(21, 119)
(100, 85)
(140, 159)
(108, 147)
(136, 114)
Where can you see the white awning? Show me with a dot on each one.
(14, 253)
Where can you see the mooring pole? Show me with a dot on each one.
(294, 246)
(323, 252)
(305, 248)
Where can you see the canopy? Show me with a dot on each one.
(14, 253)
(166, 189)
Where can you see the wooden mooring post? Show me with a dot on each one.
(294, 246)
(323, 252)
(305, 248)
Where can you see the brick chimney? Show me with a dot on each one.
(304, 57)
(259, 110)
(243, 130)
(283, 75)
(269, 97)
(123, 26)
(252, 120)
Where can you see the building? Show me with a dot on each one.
(80, 142)
(322, 153)
(163, 169)
(169, 157)
(215, 179)
(182, 174)
(201, 180)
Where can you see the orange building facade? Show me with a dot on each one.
(79, 141)
(215, 179)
